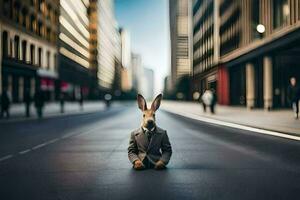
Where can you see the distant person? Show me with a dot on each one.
(293, 91)
(107, 98)
(209, 99)
(214, 101)
(27, 101)
(39, 103)
(5, 103)
(62, 102)
(81, 102)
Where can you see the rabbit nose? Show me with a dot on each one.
(150, 122)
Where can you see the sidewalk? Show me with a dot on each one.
(277, 120)
(17, 111)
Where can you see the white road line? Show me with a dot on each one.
(46, 143)
(52, 141)
(25, 151)
(237, 126)
(6, 158)
(39, 146)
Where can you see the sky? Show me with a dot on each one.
(148, 24)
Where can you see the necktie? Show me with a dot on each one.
(149, 135)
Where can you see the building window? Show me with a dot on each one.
(17, 46)
(40, 57)
(7, 8)
(281, 12)
(55, 62)
(4, 44)
(32, 54)
(48, 34)
(31, 25)
(48, 59)
(24, 18)
(40, 29)
(24, 50)
(49, 11)
(255, 18)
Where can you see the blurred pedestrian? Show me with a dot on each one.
(27, 101)
(107, 98)
(81, 102)
(5, 103)
(214, 101)
(62, 102)
(39, 103)
(209, 99)
(293, 91)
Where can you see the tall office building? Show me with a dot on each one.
(205, 44)
(137, 71)
(117, 84)
(126, 74)
(74, 44)
(93, 44)
(180, 34)
(148, 83)
(258, 50)
(28, 43)
(106, 43)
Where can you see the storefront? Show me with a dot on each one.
(18, 79)
(260, 78)
(47, 84)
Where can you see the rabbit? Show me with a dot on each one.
(149, 145)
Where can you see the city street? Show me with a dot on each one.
(84, 157)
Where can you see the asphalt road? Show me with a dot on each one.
(85, 157)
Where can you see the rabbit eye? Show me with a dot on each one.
(144, 115)
(153, 115)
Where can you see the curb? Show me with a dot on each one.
(234, 125)
(54, 115)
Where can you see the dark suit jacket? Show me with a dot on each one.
(159, 147)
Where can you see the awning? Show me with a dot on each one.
(47, 73)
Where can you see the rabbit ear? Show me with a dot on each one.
(156, 103)
(141, 102)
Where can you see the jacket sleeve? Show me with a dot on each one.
(132, 149)
(166, 149)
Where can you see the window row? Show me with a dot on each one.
(22, 16)
(22, 50)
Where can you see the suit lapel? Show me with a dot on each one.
(143, 139)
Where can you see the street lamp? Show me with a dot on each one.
(260, 28)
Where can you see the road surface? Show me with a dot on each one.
(85, 157)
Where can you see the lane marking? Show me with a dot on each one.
(237, 126)
(25, 151)
(39, 146)
(52, 141)
(6, 158)
(81, 132)
(65, 136)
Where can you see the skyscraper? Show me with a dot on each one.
(205, 44)
(74, 38)
(137, 71)
(126, 74)
(148, 83)
(106, 43)
(180, 30)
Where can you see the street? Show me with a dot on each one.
(84, 157)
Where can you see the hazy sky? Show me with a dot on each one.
(148, 24)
